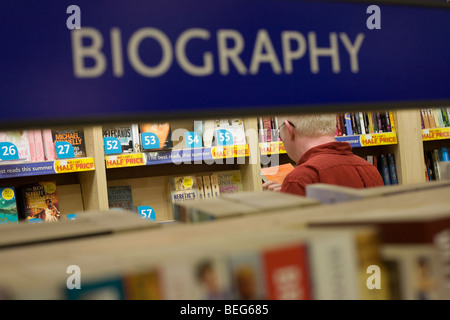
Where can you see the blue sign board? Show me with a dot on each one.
(144, 60)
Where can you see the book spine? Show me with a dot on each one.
(435, 158)
(379, 123)
(38, 140)
(201, 191)
(207, 187)
(49, 145)
(433, 123)
(388, 121)
(384, 168)
(444, 117)
(348, 124)
(262, 136)
(370, 120)
(338, 125)
(391, 120)
(357, 125)
(267, 127)
(135, 138)
(214, 186)
(392, 168)
(31, 145)
(361, 122)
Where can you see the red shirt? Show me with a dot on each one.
(332, 163)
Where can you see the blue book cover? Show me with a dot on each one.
(8, 206)
(348, 124)
(444, 154)
(392, 168)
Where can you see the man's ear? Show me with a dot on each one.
(291, 130)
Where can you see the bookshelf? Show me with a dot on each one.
(85, 188)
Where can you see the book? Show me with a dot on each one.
(123, 132)
(8, 206)
(215, 190)
(267, 127)
(392, 168)
(338, 125)
(183, 188)
(384, 169)
(229, 181)
(286, 272)
(162, 130)
(39, 144)
(21, 139)
(207, 189)
(120, 197)
(40, 202)
(32, 145)
(201, 191)
(276, 173)
(49, 146)
(74, 136)
(391, 119)
(208, 133)
(348, 124)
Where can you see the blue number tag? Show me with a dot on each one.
(147, 212)
(112, 145)
(8, 151)
(64, 150)
(193, 140)
(149, 140)
(224, 137)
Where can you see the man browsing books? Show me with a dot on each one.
(309, 140)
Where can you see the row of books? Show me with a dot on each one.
(432, 163)
(33, 203)
(435, 117)
(130, 135)
(270, 265)
(181, 188)
(39, 144)
(358, 123)
(268, 129)
(386, 165)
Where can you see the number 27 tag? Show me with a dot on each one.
(64, 150)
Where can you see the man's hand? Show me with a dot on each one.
(272, 186)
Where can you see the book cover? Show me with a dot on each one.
(212, 277)
(229, 181)
(286, 272)
(276, 173)
(143, 285)
(431, 118)
(384, 170)
(444, 154)
(162, 130)
(20, 139)
(120, 197)
(183, 188)
(436, 161)
(74, 136)
(246, 269)
(356, 123)
(392, 168)
(366, 122)
(238, 131)
(379, 122)
(135, 138)
(208, 133)
(8, 206)
(348, 124)
(123, 133)
(40, 202)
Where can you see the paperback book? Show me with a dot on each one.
(8, 206)
(120, 197)
(40, 202)
(74, 136)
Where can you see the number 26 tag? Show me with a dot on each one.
(8, 151)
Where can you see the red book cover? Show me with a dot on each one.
(287, 273)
